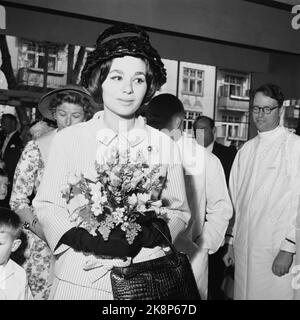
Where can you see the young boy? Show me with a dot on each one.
(13, 279)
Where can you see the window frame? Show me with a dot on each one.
(38, 50)
(188, 78)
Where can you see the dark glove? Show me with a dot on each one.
(144, 218)
(151, 237)
(79, 239)
(117, 246)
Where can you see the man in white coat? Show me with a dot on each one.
(205, 184)
(263, 186)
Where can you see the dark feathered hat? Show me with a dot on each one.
(120, 40)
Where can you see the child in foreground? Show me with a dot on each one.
(13, 279)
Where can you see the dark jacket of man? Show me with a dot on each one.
(216, 266)
(12, 154)
(226, 155)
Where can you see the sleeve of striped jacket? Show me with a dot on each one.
(174, 193)
(49, 204)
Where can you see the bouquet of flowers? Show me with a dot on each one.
(126, 187)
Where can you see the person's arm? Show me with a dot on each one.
(49, 204)
(218, 204)
(230, 233)
(25, 179)
(285, 256)
(233, 184)
(174, 193)
(284, 259)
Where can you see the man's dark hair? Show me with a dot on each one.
(10, 116)
(161, 109)
(270, 90)
(210, 121)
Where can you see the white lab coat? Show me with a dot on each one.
(210, 207)
(263, 186)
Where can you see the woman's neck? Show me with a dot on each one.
(117, 123)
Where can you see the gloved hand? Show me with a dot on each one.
(117, 246)
(144, 218)
(77, 238)
(151, 237)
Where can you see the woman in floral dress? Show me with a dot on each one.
(66, 106)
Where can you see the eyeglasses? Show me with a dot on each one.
(266, 110)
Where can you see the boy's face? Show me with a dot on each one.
(8, 244)
(3, 187)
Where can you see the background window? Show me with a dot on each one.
(193, 81)
(35, 55)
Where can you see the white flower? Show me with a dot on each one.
(65, 189)
(97, 209)
(156, 206)
(143, 197)
(82, 200)
(73, 204)
(95, 188)
(74, 179)
(141, 208)
(132, 200)
(104, 199)
(96, 193)
(118, 215)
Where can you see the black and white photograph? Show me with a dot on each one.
(150, 151)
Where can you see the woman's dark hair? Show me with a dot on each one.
(271, 90)
(72, 97)
(99, 74)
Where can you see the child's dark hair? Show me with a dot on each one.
(10, 219)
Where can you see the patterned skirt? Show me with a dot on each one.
(39, 266)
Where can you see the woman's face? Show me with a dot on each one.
(68, 114)
(125, 86)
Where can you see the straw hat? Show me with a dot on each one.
(44, 105)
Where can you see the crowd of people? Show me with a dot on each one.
(233, 212)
